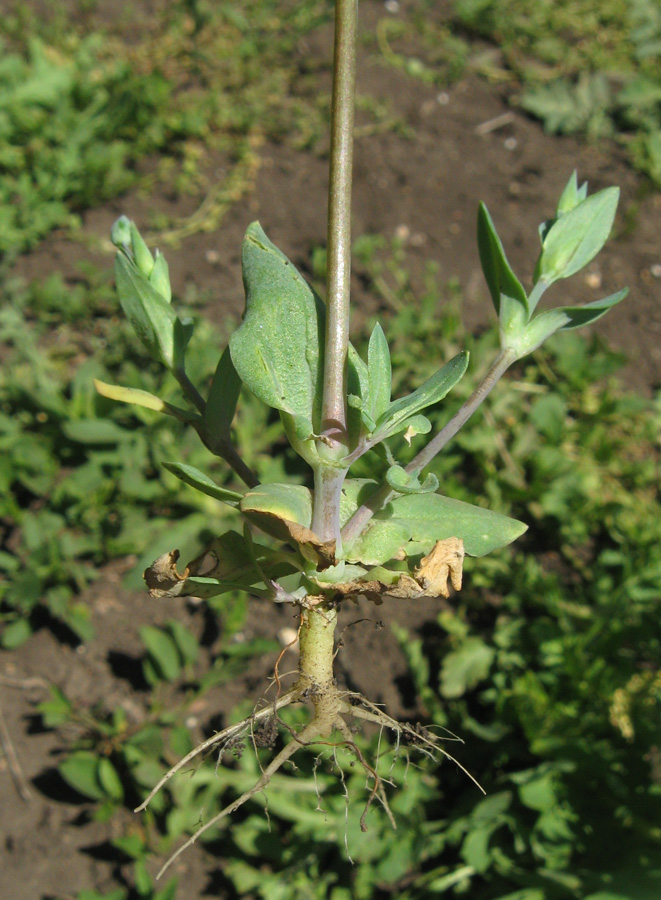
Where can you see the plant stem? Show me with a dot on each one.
(384, 494)
(498, 368)
(333, 416)
(328, 483)
(315, 666)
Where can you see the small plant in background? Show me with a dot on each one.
(387, 537)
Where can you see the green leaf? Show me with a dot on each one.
(141, 253)
(162, 652)
(160, 277)
(466, 667)
(57, 710)
(81, 772)
(278, 349)
(576, 237)
(379, 373)
(507, 293)
(95, 431)
(15, 634)
(539, 793)
(138, 397)
(119, 894)
(563, 318)
(358, 389)
(201, 482)
(571, 196)
(223, 397)
(291, 502)
(185, 641)
(400, 480)
(109, 780)
(422, 519)
(151, 316)
(429, 393)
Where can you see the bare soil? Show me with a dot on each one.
(425, 189)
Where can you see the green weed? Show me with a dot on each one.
(546, 665)
(587, 67)
(78, 110)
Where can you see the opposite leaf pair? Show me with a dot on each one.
(570, 241)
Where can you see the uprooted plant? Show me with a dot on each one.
(380, 539)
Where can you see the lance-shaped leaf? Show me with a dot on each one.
(507, 293)
(432, 391)
(138, 397)
(379, 372)
(201, 482)
(571, 196)
(576, 237)
(278, 349)
(418, 521)
(223, 397)
(563, 318)
(151, 316)
(358, 388)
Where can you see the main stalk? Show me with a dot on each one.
(339, 219)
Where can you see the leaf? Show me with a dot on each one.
(464, 668)
(563, 318)
(222, 399)
(185, 640)
(290, 502)
(576, 237)
(566, 107)
(379, 372)
(278, 349)
(81, 772)
(358, 390)
(201, 482)
(141, 398)
(509, 297)
(400, 480)
(162, 652)
(227, 563)
(15, 634)
(571, 196)
(109, 780)
(539, 793)
(151, 316)
(429, 393)
(425, 518)
(95, 431)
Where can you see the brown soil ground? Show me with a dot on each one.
(426, 189)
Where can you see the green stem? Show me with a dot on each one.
(317, 642)
(339, 220)
(328, 483)
(498, 368)
(384, 494)
(190, 390)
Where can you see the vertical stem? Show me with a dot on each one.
(339, 218)
(317, 647)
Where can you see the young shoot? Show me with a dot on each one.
(341, 537)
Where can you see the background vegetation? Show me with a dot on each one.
(547, 664)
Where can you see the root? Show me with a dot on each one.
(332, 709)
(424, 740)
(305, 737)
(223, 737)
